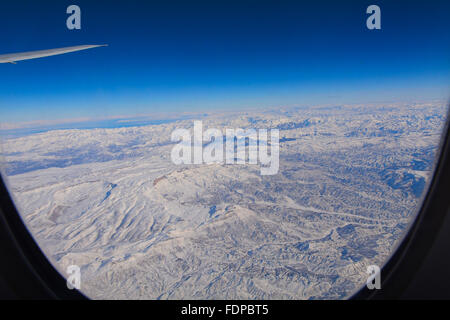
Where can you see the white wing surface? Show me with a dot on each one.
(13, 57)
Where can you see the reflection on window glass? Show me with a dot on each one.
(216, 153)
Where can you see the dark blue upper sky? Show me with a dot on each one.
(203, 55)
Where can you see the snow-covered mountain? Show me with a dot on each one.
(112, 202)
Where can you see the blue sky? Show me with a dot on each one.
(173, 56)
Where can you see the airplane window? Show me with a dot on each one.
(224, 149)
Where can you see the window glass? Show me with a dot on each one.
(222, 150)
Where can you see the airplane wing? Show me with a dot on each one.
(13, 57)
